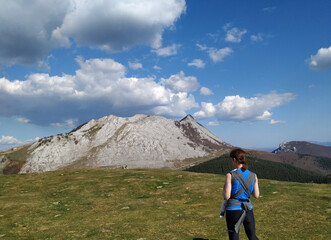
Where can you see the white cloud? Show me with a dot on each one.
(236, 108)
(32, 140)
(157, 67)
(26, 37)
(217, 55)
(269, 9)
(265, 116)
(22, 120)
(197, 63)
(167, 51)
(257, 38)
(33, 29)
(322, 60)
(178, 105)
(233, 34)
(272, 122)
(180, 83)
(70, 123)
(206, 91)
(99, 87)
(202, 47)
(9, 140)
(207, 110)
(213, 123)
(135, 65)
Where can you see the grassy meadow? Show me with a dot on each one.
(151, 204)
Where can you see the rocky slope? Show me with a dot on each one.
(303, 147)
(140, 141)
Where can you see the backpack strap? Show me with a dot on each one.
(245, 184)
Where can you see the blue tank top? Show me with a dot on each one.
(236, 187)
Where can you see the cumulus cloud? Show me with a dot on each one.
(157, 67)
(257, 37)
(206, 91)
(32, 140)
(197, 63)
(9, 140)
(178, 105)
(272, 122)
(207, 110)
(236, 108)
(135, 65)
(167, 51)
(180, 83)
(202, 47)
(33, 28)
(99, 87)
(217, 55)
(26, 36)
(321, 60)
(70, 123)
(213, 123)
(233, 34)
(22, 120)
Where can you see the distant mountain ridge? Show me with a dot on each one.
(145, 141)
(328, 144)
(141, 141)
(302, 147)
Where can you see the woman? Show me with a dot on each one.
(240, 183)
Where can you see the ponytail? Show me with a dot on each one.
(240, 156)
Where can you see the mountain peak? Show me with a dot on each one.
(188, 118)
(141, 141)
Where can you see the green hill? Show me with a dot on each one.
(264, 169)
(151, 204)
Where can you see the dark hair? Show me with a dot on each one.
(240, 156)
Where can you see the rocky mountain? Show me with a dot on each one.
(140, 141)
(302, 147)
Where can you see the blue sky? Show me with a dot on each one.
(255, 73)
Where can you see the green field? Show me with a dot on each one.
(151, 204)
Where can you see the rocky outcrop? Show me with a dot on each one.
(302, 147)
(141, 141)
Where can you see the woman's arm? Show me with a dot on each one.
(256, 192)
(227, 187)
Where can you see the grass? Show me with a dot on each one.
(16, 158)
(151, 204)
(17, 154)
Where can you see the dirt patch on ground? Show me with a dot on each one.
(13, 167)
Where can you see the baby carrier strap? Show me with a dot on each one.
(245, 203)
(244, 183)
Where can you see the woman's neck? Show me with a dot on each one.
(238, 166)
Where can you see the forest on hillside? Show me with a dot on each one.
(264, 169)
